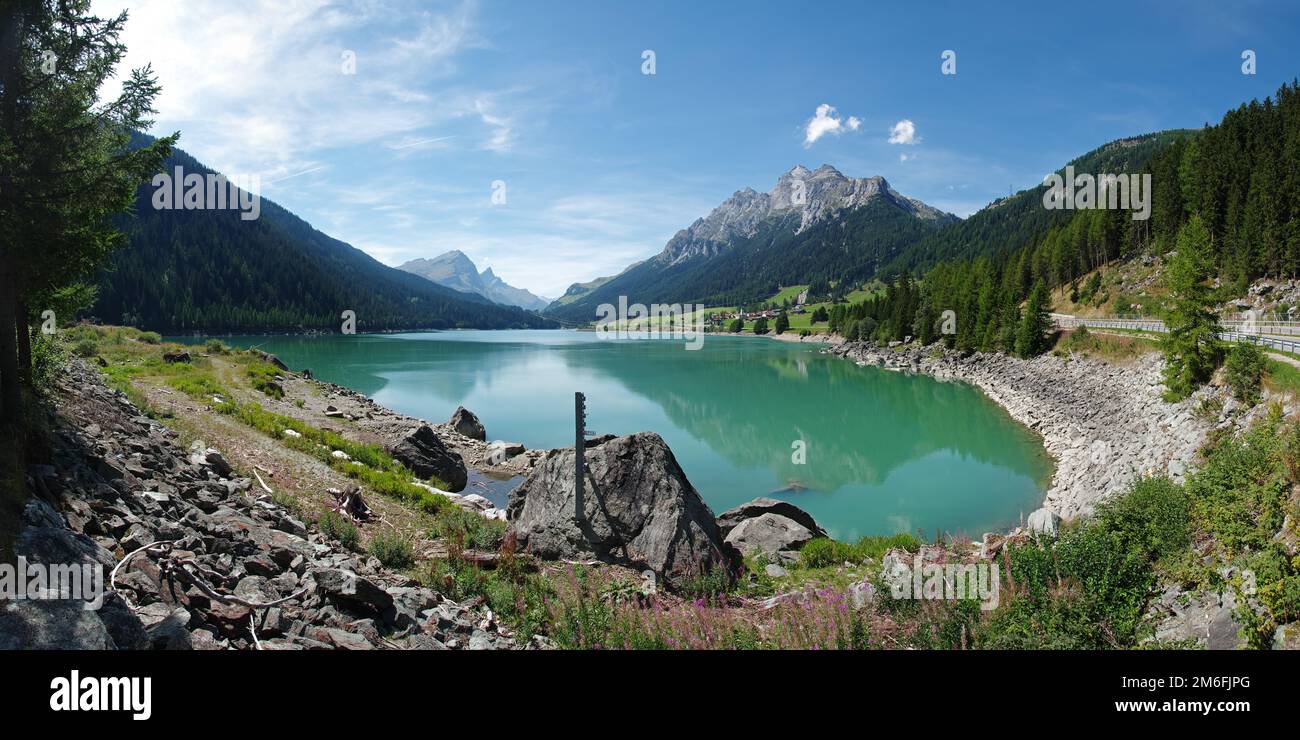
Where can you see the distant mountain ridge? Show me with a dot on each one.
(457, 271)
(207, 270)
(812, 225)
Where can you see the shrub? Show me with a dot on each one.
(85, 347)
(1154, 517)
(338, 528)
(392, 550)
(150, 337)
(469, 529)
(216, 347)
(1244, 368)
(49, 355)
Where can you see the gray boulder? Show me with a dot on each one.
(1043, 521)
(427, 456)
(353, 591)
(729, 519)
(769, 534)
(638, 509)
(465, 422)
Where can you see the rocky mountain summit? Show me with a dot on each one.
(196, 557)
(812, 226)
(800, 199)
(457, 271)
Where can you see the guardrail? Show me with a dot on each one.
(1273, 342)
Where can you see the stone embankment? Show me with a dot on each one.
(1104, 424)
(194, 556)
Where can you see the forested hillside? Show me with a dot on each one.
(1240, 176)
(208, 270)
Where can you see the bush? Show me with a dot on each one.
(392, 550)
(216, 347)
(49, 356)
(469, 529)
(1154, 517)
(150, 337)
(336, 527)
(1244, 368)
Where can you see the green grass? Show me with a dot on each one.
(377, 470)
(1116, 349)
(788, 294)
(824, 552)
(1281, 377)
(263, 376)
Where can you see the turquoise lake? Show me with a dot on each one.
(884, 452)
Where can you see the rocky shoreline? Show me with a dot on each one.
(1104, 424)
(200, 557)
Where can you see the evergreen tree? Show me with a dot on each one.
(1191, 345)
(1035, 326)
(65, 167)
(782, 323)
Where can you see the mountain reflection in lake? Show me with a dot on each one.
(885, 452)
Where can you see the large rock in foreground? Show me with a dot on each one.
(638, 510)
(427, 456)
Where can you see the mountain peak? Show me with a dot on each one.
(455, 270)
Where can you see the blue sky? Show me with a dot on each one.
(602, 164)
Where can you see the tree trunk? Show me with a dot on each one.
(24, 339)
(10, 389)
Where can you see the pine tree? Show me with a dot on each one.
(1191, 345)
(65, 164)
(1035, 326)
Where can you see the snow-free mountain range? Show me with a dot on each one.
(457, 271)
(812, 224)
(208, 271)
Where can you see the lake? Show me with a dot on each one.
(883, 452)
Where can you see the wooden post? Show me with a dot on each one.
(579, 447)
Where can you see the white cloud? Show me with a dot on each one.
(826, 121)
(259, 86)
(903, 132)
